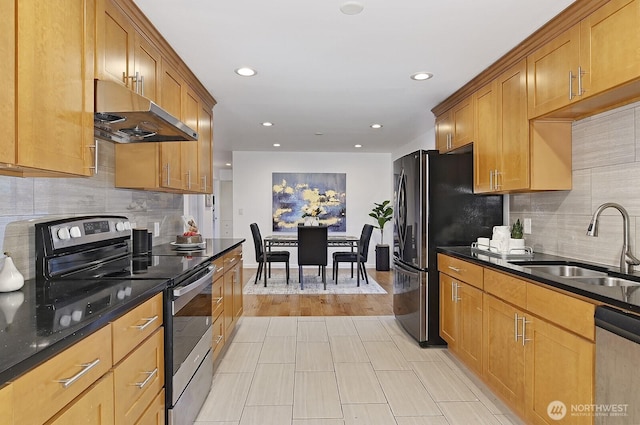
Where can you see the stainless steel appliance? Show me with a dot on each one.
(617, 373)
(83, 262)
(434, 206)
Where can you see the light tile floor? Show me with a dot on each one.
(342, 371)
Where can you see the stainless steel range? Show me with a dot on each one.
(83, 262)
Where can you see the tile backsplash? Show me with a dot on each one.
(606, 168)
(29, 199)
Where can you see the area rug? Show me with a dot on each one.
(276, 284)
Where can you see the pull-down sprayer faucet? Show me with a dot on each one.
(627, 259)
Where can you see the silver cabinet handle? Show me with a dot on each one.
(455, 269)
(86, 367)
(580, 74)
(141, 80)
(95, 157)
(571, 77)
(515, 326)
(497, 174)
(150, 375)
(490, 179)
(217, 341)
(218, 300)
(453, 297)
(524, 330)
(148, 321)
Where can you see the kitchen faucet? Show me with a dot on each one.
(627, 259)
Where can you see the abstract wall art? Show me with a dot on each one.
(297, 196)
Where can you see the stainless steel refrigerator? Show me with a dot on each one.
(434, 206)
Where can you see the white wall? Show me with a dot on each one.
(369, 180)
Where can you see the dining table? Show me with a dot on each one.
(291, 240)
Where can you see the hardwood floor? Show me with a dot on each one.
(323, 305)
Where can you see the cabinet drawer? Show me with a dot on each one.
(510, 289)
(46, 389)
(232, 257)
(132, 328)
(217, 298)
(6, 403)
(93, 407)
(570, 313)
(461, 270)
(138, 379)
(219, 265)
(218, 336)
(154, 415)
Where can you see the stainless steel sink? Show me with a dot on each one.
(608, 281)
(563, 270)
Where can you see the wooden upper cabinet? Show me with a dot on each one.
(172, 89)
(597, 56)
(147, 67)
(115, 43)
(55, 86)
(7, 82)
(205, 142)
(552, 73)
(486, 148)
(610, 46)
(513, 129)
(190, 150)
(455, 128)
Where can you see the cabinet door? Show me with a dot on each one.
(448, 311)
(610, 45)
(503, 353)
(486, 147)
(237, 289)
(7, 82)
(189, 150)
(219, 332)
(227, 312)
(463, 117)
(171, 99)
(115, 44)
(147, 65)
(205, 142)
(559, 366)
(444, 128)
(55, 62)
(6, 404)
(154, 415)
(94, 407)
(549, 82)
(135, 326)
(470, 326)
(513, 129)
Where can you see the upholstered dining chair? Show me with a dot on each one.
(352, 257)
(312, 250)
(271, 256)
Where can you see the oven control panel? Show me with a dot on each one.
(73, 232)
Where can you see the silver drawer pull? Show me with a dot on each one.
(455, 269)
(218, 300)
(148, 321)
(146, 381)
(217, 341)
(86, 367)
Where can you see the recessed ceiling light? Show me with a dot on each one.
(319, 134)
(376, 126)
(351, 7)
(267, 124)
(228, 164)
(245, 71)
(357, 146)
(421, 76)
(276, 145)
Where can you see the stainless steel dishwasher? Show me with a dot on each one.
(617, 399)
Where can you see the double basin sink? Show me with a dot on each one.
(583, 273)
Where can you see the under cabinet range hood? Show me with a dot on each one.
(123, 116)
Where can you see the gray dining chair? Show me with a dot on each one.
(359, 257)
(267, 257)
(312, 250)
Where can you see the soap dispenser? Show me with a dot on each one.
(10, 277)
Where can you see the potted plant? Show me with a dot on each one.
(516, 242)
(382, 213)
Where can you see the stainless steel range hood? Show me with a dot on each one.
(123, 116)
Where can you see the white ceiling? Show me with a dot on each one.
(321, 71)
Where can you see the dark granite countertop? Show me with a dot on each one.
(30, 324)
(627, 297)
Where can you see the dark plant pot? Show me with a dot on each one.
(382, 258)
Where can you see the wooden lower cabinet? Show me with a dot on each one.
(232, 287)
(6, 403)
(154, 415)
(94, 407)
(531, 363)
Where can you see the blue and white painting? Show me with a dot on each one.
(297, 196)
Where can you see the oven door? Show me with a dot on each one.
(188, 345)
